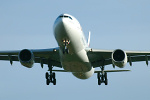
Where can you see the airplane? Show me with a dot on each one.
(74, 55)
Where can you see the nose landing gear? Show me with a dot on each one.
(66, 43)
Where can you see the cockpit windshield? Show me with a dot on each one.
(65, 16)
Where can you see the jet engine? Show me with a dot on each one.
(26, 58)
(119, 58)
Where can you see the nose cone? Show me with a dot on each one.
(63, 23)
(61, 29)
(64, 20)
(60, 26)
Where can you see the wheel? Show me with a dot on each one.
(53, 75)
(102, 77)
(54, 82)
(47, 81)
(46, 75)
(99, 81)
(106, 82)
(67, 51)
(98, 75)
(105, 75)
(64, 51)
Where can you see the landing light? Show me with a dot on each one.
(64, 41)
(54, 50)
(90, 50)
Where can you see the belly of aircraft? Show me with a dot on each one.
(74, 66)
(77, 62)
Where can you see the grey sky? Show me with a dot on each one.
(114, 24)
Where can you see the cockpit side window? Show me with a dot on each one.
(69, 17)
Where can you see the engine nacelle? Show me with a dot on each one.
(119, 58)
(26, 58)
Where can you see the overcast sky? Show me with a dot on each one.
(123, 24)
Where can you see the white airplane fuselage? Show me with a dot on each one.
(66, 27)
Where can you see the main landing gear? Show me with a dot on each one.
(65, 43)
(50, 77)
(102, 77)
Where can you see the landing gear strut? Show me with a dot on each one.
(66, 43)
(50, 77)
(102, 77)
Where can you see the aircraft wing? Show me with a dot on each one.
(103, 57)
(43, 55)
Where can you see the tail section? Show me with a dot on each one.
(89, 39)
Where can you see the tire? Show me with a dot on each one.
(67, 51)
(64, 51)
(102, 77)
(47, 82)
(98, 75)
(54, 82)
(99, 82)
(106, 82)
(46, 75)
(105, 76)
(54, 75)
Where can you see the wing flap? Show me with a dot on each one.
(5, 57)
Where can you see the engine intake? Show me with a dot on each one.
(26, 58)
(119, 58)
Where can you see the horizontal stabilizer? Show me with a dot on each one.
(112, 71)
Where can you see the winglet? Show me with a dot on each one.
(89, 38)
